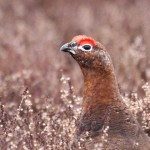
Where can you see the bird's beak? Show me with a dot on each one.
(68, 48)
(65, 47)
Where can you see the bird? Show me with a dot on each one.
(102, 105)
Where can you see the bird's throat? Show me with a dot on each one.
(100, 90)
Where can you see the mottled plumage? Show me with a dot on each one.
(102, 103)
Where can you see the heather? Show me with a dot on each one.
(41, 87)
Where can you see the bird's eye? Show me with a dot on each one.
(87, 47)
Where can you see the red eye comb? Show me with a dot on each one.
(83, 39)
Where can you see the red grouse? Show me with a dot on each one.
(102, 103)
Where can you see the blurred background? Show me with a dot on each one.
(32, 31)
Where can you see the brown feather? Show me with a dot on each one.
(103, 106)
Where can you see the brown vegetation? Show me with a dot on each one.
(31, 33)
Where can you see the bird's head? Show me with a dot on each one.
(87, 52)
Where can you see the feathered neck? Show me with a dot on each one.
(100, 89)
